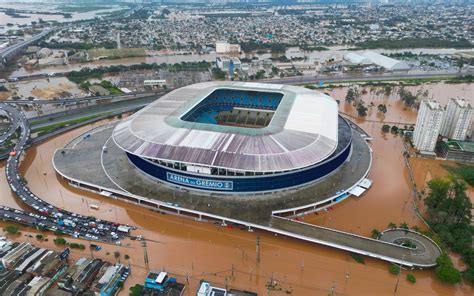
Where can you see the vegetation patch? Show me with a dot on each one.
(394, 269)
(466, 172)
(358, 258)
(411, 278)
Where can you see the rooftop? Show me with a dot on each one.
(303, 130)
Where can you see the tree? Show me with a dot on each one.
(136, 290)
(375, 233)
(385, 128)
(447, 202)
(392, 225)
(445, 270)
(60, 241)
(394, 269)
(126, 257)
(352, 95)
(10, 229)
(218, 74)
(394, 129)
(361, 109)
(404, 225)
(382, 108)
(411, 278)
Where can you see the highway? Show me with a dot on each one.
(298, 80)
(5, 52)
(47, 216)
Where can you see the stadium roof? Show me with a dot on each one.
(303, 131)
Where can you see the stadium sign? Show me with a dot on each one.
(200, 183)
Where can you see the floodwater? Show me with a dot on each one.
(28, 18)
(221, 255)
(336, 52)
(389, 199)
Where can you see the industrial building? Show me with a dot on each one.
(385, 62)
(428, 126)
(357, 59)
(457, 119)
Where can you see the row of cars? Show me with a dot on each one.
(50, 217)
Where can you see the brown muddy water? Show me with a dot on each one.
(203, 251)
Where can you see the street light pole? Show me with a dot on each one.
(398, 276)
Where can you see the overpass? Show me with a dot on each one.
(7, 53)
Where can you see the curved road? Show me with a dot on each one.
(48, 216)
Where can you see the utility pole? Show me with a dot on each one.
(145, 256)
(258, 248)
(398, 276)
(347, 275)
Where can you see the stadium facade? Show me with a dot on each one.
(237, 138)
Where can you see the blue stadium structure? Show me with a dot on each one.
(237, 138)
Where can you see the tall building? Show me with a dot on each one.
(457, 119)
(428, 125)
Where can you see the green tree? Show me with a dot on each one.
(60, 241)
(445, 270)
(352, 95)
(392, 225)
(136, 290)
(382, 108)
(394, 129)
(218, 74)
(10, 229)
(375, 233)
(404, 225)
(411, 278)
(385, 128)
(361, 109)
(394, 269)
(447, 202)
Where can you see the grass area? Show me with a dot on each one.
(55, 126)
(117, 53)
(466, 172)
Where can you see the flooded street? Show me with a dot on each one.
(222, 255)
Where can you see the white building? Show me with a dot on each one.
(457, 119)
(386, 62)
(357, 59)
(226, 47)
(428, 125)
(223, 63)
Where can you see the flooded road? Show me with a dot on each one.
(220, 255)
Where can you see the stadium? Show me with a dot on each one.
(237, 138)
